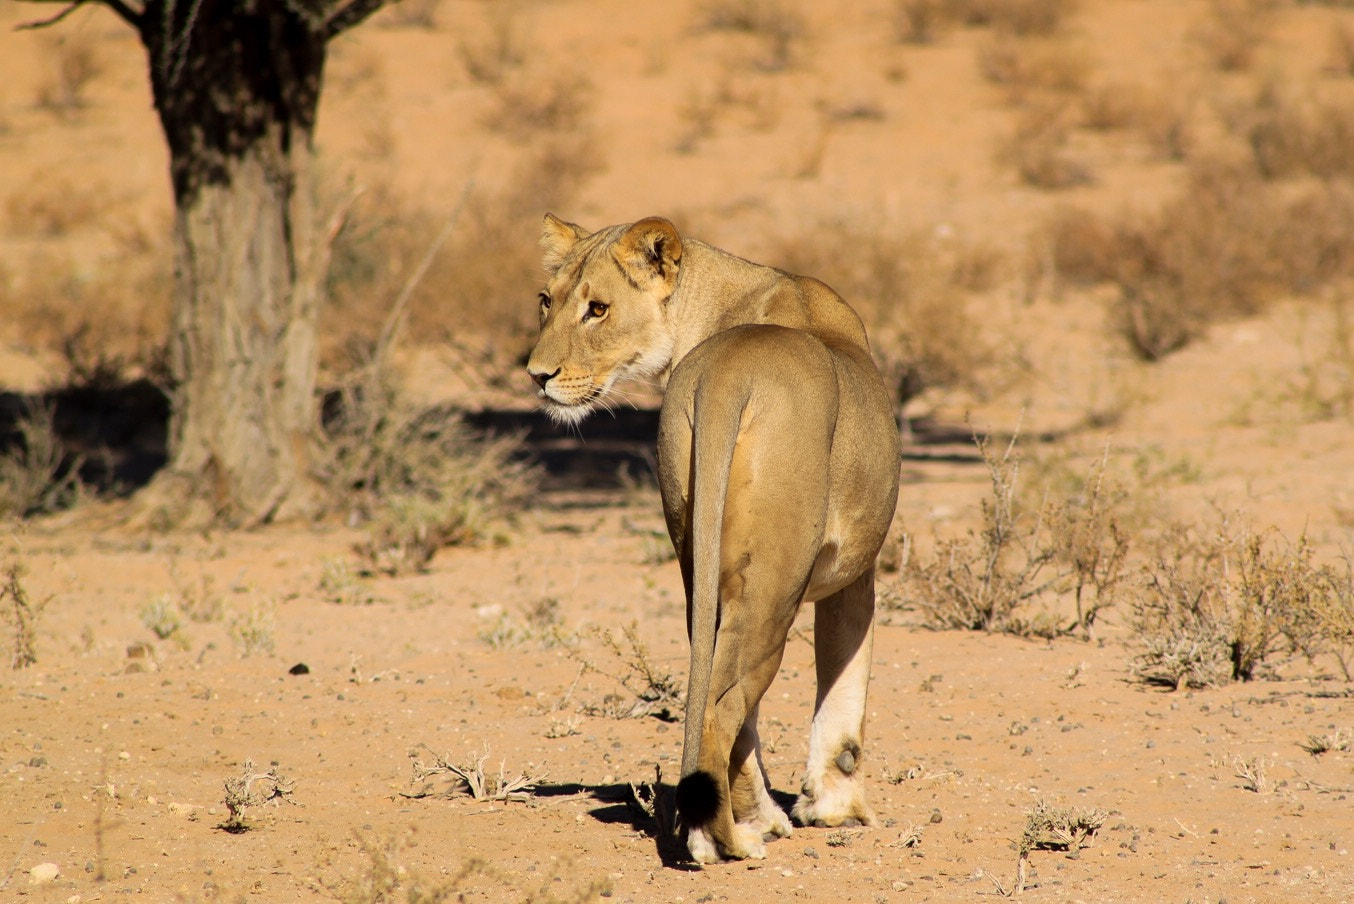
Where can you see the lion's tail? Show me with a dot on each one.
(715, 426)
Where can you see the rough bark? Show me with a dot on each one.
(237, 86)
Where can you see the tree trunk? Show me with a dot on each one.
(237, 86)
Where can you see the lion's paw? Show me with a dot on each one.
(745, 843)
(839, 805)
(702, 846)
(771, 823)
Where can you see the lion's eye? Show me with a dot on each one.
(596, 310)
(545, 301)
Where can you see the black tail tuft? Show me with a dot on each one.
(697, 799)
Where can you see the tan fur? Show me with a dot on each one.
(778, 464)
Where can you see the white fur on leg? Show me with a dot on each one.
(770, 821)
(701, 846)
(746, 843)
(834, 792)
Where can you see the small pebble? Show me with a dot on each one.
(43, 873)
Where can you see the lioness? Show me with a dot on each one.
(778, 463)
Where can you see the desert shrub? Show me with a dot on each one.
(37, 475)
(1050, 828)
(1018, 17)
(114, 310)
(1090, 545)
(982, 580)
(919, 21)
(467, 777)
(1231, 606)
(1026, 67)
(779, 27)
(911, 292)
(1293, 130)
(1341, 59)
(1058, 533)
(52, 209)
(1227, 245)
(1232, 31)
(497, 49)
(419, 478)
(528, 104)
(1334, 613)
(1038, 148)
(1163, 117)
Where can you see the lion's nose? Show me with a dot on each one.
(542, 377)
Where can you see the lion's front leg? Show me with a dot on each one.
(834, 791)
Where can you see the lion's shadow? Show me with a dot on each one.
(646, 808)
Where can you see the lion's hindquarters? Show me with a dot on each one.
(752, 552)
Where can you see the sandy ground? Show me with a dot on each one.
(115, 746)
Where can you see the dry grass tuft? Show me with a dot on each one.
(253, 629)
(252, 789)
(22, 612)
(1017, 17)
(649, 690)
(383, 878)
(467, 778)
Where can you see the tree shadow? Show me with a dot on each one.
(114, 434)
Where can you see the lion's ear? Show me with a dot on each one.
(557, 238)
(650, 250)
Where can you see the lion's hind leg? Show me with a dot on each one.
(727, 833)
(753, 805)
(834, 792)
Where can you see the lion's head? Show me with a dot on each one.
(604, 311)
